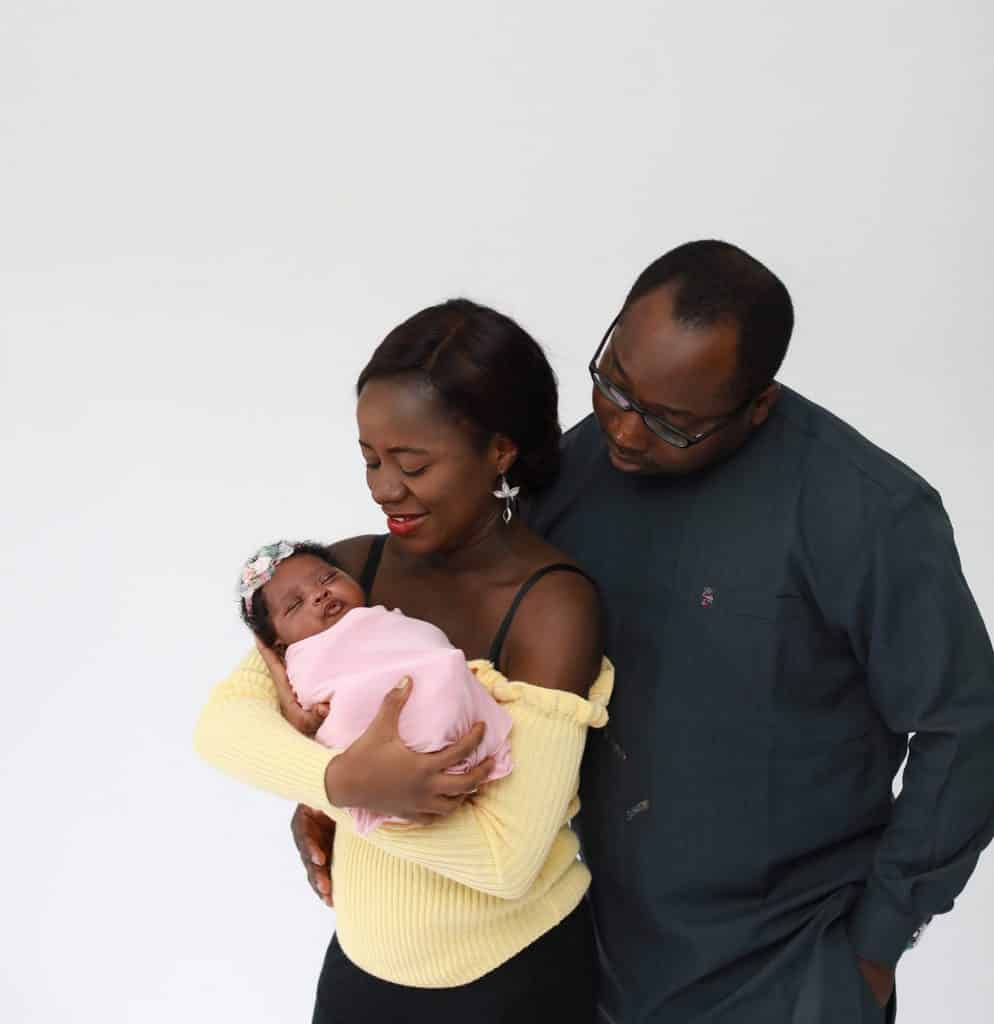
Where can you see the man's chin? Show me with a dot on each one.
(633, 467)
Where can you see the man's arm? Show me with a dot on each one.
(930, 670)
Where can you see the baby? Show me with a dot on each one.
(314, 616)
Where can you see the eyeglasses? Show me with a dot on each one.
(670, 434)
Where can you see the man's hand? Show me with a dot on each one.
(307, 722)
(879, 977)
(314, 834)
(378, 772)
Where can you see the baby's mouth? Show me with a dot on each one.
(332, 609)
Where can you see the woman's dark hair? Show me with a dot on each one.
(717, 279)
(490, 373)
(257, 617)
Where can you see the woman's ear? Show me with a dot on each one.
(503, 452)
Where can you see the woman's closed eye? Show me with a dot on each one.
(405, 472)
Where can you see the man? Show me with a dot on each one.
(784, 607)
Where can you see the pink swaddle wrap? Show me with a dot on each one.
(363, 656)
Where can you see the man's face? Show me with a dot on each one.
(684, 374)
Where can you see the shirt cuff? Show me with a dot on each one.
(878, 930)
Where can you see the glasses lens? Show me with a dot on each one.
(667, 433)
(610, 392)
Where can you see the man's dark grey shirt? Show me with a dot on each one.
(780, 624)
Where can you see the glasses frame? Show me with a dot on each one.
(656, 424)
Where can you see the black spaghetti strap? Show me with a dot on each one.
(372, 565)
(498, 645)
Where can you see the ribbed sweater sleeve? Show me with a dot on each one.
(497, 843)
(242, 732)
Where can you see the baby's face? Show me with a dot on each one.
(306, 596)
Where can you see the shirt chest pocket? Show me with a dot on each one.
(726, 647)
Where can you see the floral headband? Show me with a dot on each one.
(259, 570)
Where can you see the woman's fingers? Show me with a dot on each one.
(423, 819)
(463, 784)
(390, 708)
(459, 751)
(443, 804)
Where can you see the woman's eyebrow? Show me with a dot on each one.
(398, 449)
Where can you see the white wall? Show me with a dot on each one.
(209, 213)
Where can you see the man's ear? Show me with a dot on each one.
(764, 402)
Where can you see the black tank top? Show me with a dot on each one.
(369, 571)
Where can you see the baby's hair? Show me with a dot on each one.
(257, 616)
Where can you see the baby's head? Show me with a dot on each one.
(290, 591)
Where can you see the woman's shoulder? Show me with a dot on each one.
(558, 576)
(352, 552)
(554, 637)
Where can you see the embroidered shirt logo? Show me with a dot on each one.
(707, 597)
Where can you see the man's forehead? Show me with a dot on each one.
(673, 364)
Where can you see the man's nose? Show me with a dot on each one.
(628, 430)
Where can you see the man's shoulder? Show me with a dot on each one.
(581, 438)
(837, 451)
(579, 449)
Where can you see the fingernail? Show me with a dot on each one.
(404, 683)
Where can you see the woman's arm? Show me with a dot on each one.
(497, 843)
(242, 731)
(555, 639)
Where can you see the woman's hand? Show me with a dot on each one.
(314, 834)
(380, 773)
(307, 722)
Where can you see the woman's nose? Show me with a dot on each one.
(386, 487)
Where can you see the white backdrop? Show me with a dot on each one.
(211, 211)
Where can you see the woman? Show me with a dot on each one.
(480, 913)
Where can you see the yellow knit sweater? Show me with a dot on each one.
(441, 905)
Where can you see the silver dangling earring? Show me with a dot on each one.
(508, 494)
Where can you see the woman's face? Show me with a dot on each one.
(424, 468)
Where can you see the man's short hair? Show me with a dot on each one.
(715, 281)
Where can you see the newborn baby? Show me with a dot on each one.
(314, 616)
